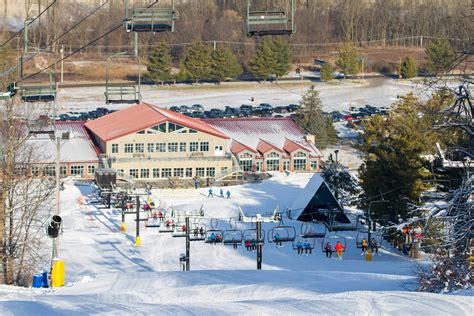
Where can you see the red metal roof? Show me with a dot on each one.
(276, 132)
(141, 116)
(238, 147)
(265, 146)
(290, 146)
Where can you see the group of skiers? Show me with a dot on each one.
(306, 247)
(251, 244)
(214, 238)
(221, 193)
(338, 248)
(374, 245)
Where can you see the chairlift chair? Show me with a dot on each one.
(214, 240)
(122, 93)
(195, 232)
(271, 22)
(152, 19)
(373, 235)
(234, 236)
(250, 235)
(167, 229)
(179, 231)
(313, 230)
(286, 234)
(311, 243)
(333, 241)
(39, 93)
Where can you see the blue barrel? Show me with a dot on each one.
(37, 280)
(44, 279)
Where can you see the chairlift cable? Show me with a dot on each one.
(21, 30)
(80, 49)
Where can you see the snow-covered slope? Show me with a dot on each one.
(107, 274)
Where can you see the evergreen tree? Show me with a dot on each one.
(283, 58)
(159, 63)
(339, 179)
(327, 72)
(393, 168)
(197, 61)
(348, 60)
(408, 68)
(311, 119)
(263, 64)
(440, 55)
(225, 64)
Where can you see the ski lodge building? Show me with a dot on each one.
(147, 143)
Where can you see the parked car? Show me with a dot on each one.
(246, 107)
(265, 106)
(103, 111)
(197, 107)
(175, 109)
(348, 118)
(278, 115)
(280, 109)
(293, 107)
(185, 109)
(64, 117)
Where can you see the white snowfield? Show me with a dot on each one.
(107, 275)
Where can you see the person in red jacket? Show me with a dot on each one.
(339, 249)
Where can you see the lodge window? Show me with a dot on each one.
(193, 146)
(172, 127)
(139, 148)
(35, 171)
(63, 171)
(50, 171)
(160, 128)
(286, 165)
(141, 132)
(144, 173)
(246, 155)
(172, 147)
(128, 148)
(192, 131)
(200, 172)
(246, 164)
(166, 172)
(273, 164)
(161, 147)
(115, 148)
(314, 164)
(77, 170)
(204, 146)
(156, 173)
(151, 147)
(178, 172)
(299, 164)
(182, 147)
(211, 171)
(120, 172)
(133, 173)
(90, 170)
(189, 172)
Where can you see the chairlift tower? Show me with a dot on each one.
(258, 219)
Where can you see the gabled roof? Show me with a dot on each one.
(237, 147)
(291, 145)
(264, 146)
(249, 131)
(141, 116)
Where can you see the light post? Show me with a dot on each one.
(336, 152)
(369, 215)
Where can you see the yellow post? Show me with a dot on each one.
(122, 227)
(368, 255)
(137, 242)
(57, 273)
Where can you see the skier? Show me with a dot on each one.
(201, 231)
(196, 232)
(277, 240)
(161, 217)
(168, 223)
(363, 244)
(228, 194)
(196, 183)
(307, 247)
(374, 245)
(328, 250)
(210, 193)
(221, 191)
(183, 228)
(234, 244)
(248, 245)
(339, 249)
(212, 238)
(218, 238)
(299, 247)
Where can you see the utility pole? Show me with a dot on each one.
(369, 217)
(137, 237)
(188, 246)
(259, 245)
(62, 63)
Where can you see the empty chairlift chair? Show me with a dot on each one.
(152, 19)
(39, 93)
(282, 234)
(313, 230)
(271, 22)
(122, 93)
(232, 237)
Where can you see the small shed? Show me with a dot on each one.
(317, 202)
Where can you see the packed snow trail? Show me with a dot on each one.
(107, 274)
